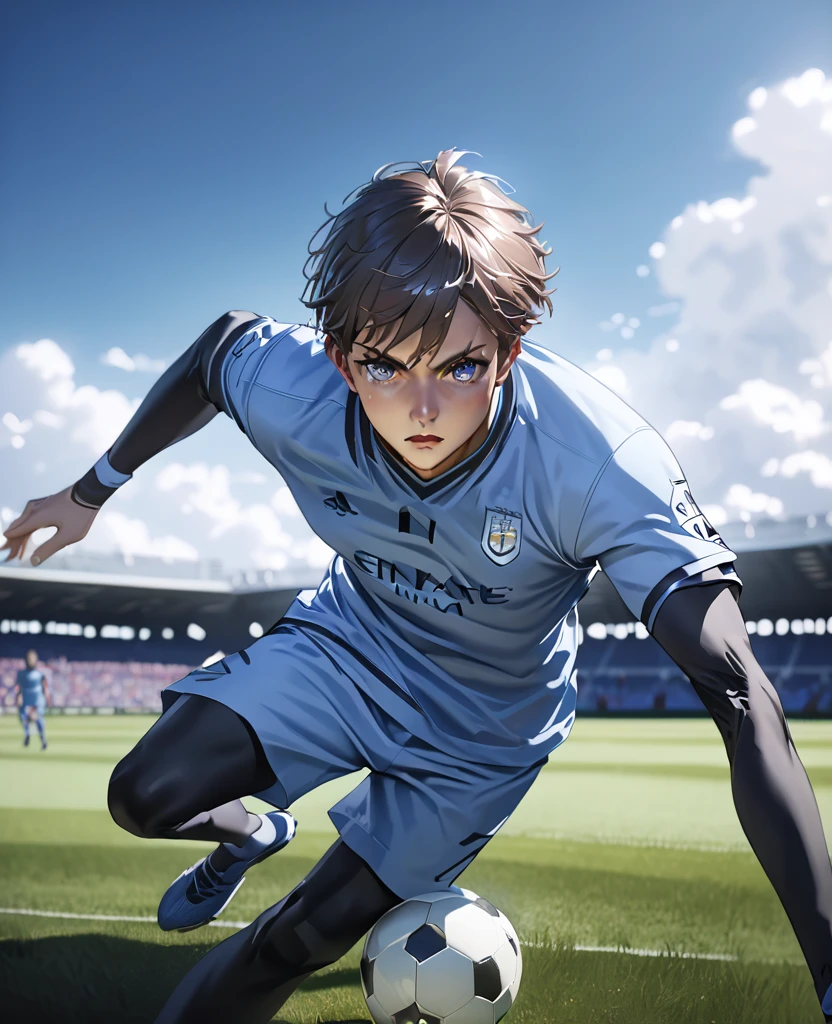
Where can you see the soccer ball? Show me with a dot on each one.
(445, 957)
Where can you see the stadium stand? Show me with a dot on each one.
(125, 685)
(635, 675)
(614, 676)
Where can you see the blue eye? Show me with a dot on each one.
(380, 372)
(465, 371)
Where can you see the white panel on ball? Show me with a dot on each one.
(394, 977)
(396, 924)
(509, 928)
(478, 1011)
(508, 961)
(444, 982)
(450, 956)
(376, 1011)
(470, 930)
(503, 1005)
(441, 908)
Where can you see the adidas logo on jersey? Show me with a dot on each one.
(338, 503)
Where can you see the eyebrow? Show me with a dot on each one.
(401, 366)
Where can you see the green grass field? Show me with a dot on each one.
(628, 841)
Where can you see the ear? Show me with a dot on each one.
(340, 361)
(508, 359)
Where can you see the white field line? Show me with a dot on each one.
(65, 916)
(22, 912)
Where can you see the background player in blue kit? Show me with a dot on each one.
(471, 487)
(34, 697)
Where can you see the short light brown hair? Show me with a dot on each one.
(413, 241)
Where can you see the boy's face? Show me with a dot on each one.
(437, 412)
(31, 659)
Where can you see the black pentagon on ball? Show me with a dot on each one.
(414, 1015)
(489, 908)
(487, 982)
(425, 941)
(367, 975)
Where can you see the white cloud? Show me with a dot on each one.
(820, 369)
(246, 534)
(749, 278)
(781, 409)
(143, 364)
(743, 499)
(39, 382)
(132, 537)
(687, 428)
(53, 430)
(817, 465)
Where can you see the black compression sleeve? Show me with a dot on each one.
(702, 630)
(185, 397)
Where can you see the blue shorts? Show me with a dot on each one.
(421, 815)
(39, 707)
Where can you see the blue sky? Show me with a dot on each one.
(164, 162)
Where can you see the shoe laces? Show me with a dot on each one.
(203, 886)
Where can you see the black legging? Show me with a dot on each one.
(201, 754)
(184, 777)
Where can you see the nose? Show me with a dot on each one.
(425, 406)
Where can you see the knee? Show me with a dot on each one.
(129, 800)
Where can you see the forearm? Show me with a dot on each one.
(182, 401)
(704, 634)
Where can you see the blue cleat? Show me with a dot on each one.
(200, 894)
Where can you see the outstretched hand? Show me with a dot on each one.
(72, 520)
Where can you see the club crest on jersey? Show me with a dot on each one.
(690, 516)
(501, 535)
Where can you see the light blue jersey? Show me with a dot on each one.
(459, 594)
(30, 681)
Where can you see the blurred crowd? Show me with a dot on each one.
(627, 675)
(76, 684)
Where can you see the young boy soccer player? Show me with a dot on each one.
(34, 695)
(470, 487)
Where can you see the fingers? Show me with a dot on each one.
(21, 521)
(15, 547)
(57, 541)
(28, 522)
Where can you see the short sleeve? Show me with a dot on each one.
(243, 362)
(281, 389)
(643, 526)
